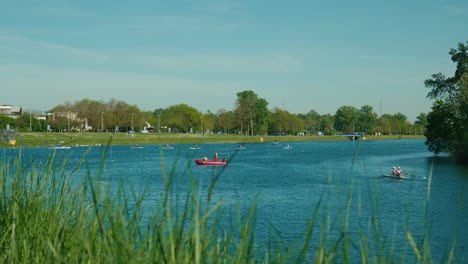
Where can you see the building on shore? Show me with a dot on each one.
(11, 111)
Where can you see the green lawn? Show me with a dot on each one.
(71, 139)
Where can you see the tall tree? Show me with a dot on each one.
(399, 123)
(311, 121)
(182, 118)
(385, 124)
(226, 121)
(446, 129)
(367, 120)
(420, 123)
(262, 116)
(245, 110)
(346, 118)
(326, 124)
(208, 122)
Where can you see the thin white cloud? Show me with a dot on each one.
(174, 24)
(63, 11)
(209, 62)
(457, 10)
(42, 87)
(27, 50)
(24, 45)
(221, 6)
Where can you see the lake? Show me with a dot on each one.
(288, 183)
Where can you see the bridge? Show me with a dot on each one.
(355, 135)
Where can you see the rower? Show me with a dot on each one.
(399, 172)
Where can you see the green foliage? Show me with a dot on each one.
(262, 116)
(5, 120)
(367, 121)
(446, 123)
(226, 121)
(182, 118)
(326, 124)
(250, 116)
(346, 118)
(246, 110)
(311, 121)
(442, 127)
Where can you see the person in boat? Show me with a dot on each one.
(394, 171)
(215, 158)
(205, 158)
(399, 172)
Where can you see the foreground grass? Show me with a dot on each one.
(44, 218)
(71, 139)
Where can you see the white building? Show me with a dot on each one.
(11, 111)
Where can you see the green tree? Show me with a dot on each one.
(182, 118)
(279, 122)
(6, 120)
(420, 123)
(209, 120)
(367, 121)
(399, 124)
(252, 113)
(226, 121)
(311, 121)
(346, 118)
(245, 110)
(385, 124)
(326, 124)
(446, 129)
(262, 116)
(285, 122)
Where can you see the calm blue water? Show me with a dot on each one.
(288, 184)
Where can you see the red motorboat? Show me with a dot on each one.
(211, 162)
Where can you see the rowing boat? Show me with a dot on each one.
(211, 162)
(396, 177)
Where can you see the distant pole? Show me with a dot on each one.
(159, 126)
(132, 121)
(102, 121)
(30, 122)
(381, 128)
(380, 107)
(68, 115)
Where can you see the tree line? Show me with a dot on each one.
(447, 122)
(250, 116)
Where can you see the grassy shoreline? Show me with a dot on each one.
(72, 139)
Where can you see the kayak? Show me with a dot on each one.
(396, 177)
(211, 162)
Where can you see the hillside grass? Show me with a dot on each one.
(72, 139)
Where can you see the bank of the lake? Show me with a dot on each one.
(73, 139)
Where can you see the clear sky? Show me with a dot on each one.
(298, 55)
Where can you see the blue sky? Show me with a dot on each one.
(298, 55)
